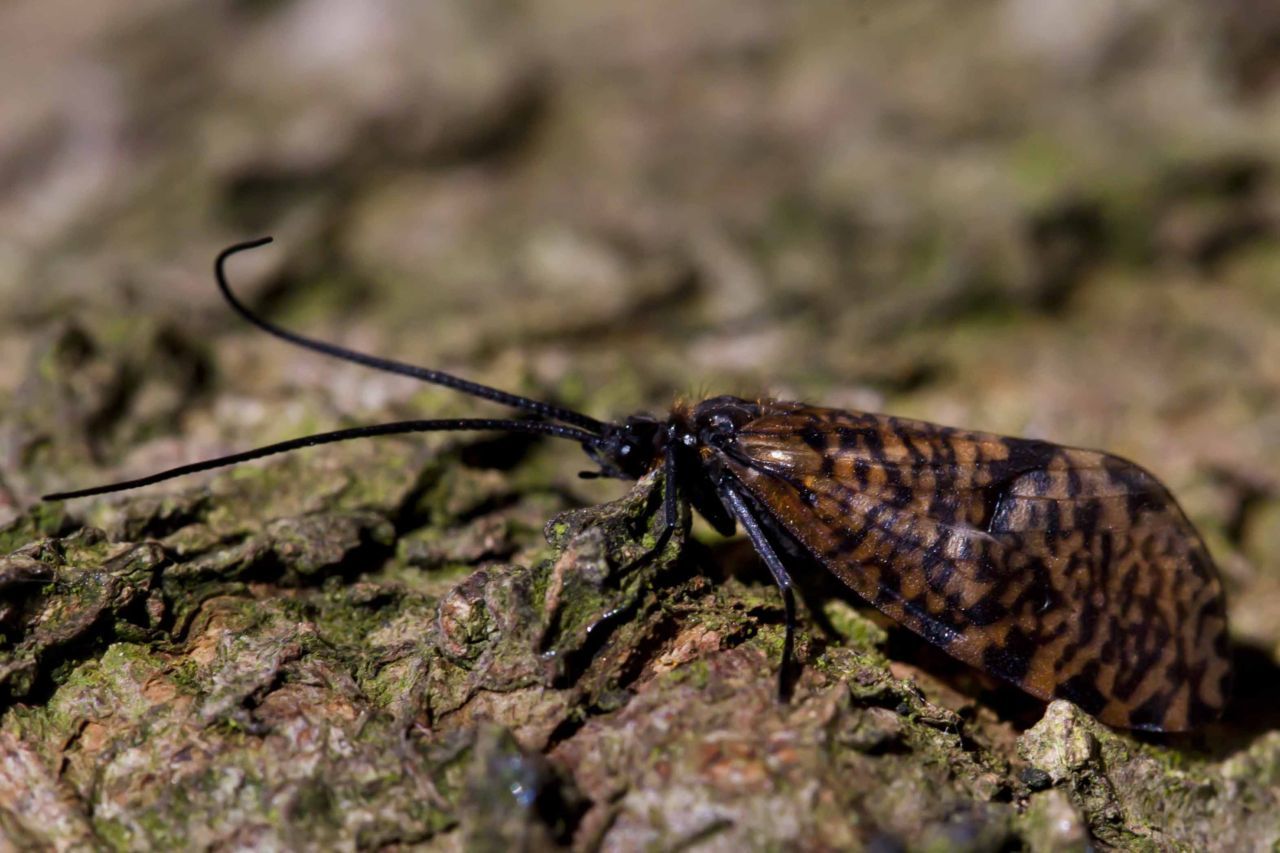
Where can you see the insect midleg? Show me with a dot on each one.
(765, 549)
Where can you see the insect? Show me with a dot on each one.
(1069, 573)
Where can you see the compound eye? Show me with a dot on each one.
(721, 423)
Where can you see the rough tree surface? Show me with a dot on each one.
(1054, 219)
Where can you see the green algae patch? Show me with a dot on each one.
(1132, 794)
(65, 593)
(856, 628)
(42, 521)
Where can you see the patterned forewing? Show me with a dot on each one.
(1070, 573)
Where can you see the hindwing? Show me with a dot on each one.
(1070, 573)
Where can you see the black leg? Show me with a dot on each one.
(738, 506)
(670, 500)
(670, 495)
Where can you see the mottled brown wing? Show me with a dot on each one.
(1070, 573)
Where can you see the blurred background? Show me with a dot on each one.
(1054, 218)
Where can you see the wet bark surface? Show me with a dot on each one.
(1044, 219)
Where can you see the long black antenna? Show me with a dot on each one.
(435, 377)
(395, 428)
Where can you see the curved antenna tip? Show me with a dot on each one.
(234, 249)
(435, 377)
(247, 244)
